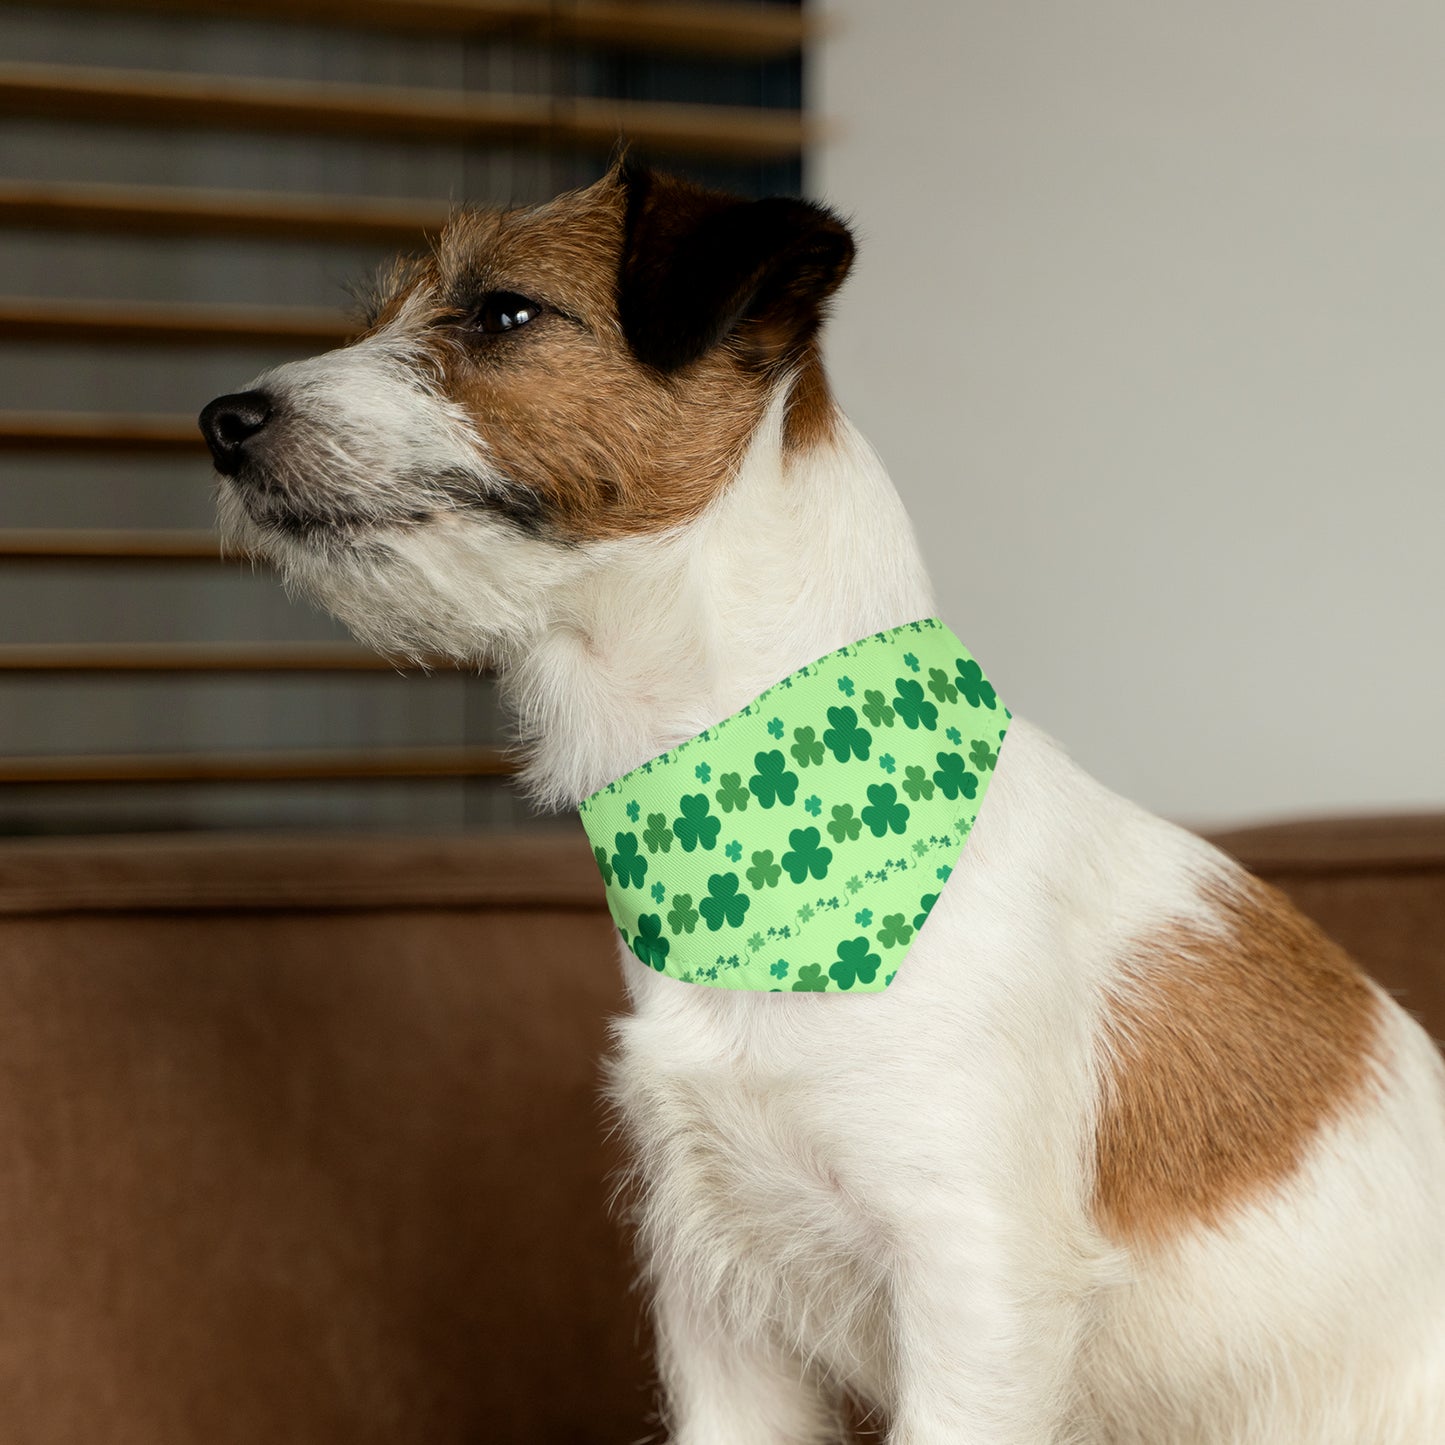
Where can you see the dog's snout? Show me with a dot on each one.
(229, 422)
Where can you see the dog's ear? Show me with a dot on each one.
(700, 266)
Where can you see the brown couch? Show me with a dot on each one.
(301, 1139)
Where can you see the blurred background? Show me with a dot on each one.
(1151, 308)
(186, 193)
(1147, 307)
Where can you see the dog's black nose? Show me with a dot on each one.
(229, 422)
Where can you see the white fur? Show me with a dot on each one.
(890, 1194)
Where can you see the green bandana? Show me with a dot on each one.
(800, 843)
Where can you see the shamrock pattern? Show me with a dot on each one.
(812, 886)
(657, 835)
(649, 945)
(695, 829)
(843, 827)
(884, 812)
(855, 964)
(807, 750)
(731, 793)
(772, 783)
(628, 866)
(764, 873)
(724, 904)
(807, 857)
(844, 736)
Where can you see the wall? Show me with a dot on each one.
(1149, 323)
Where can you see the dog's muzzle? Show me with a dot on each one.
(230, 422)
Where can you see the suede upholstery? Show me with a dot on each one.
(302, 1138)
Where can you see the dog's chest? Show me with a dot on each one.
(747, 1184)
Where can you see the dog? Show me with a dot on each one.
(1128, 1153)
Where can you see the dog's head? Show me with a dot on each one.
(547, 383)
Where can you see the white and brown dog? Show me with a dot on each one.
(1129, 1153)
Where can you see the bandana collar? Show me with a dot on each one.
(799, 844)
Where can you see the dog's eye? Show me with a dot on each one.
(504, 311)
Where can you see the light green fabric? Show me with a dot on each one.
(800, 843)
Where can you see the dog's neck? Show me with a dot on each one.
(667, 635)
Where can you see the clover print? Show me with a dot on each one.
(731, 793)
(772, 783)
(629, 866)
(940, 686)
(695, 828)
(649, 945)
(864, 850)
(925, 907)
(810, 979)
(876, 709)
(942, 873)
(683, 916)
(844, 825)
(896, 931)
(953, 778)
(973, 685)
(808, 855)
(724, 904)
(855, 963)
(806, 749)
(845, 737)
(916, 784)
(884, 811)
(764, 873)
(912, 707)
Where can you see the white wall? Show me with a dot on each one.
(1149, 323)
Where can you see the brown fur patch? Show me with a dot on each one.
(1226, 1054)
(608, 446)
(605, 445)
(812, 413)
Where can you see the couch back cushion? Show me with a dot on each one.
(303, 1139)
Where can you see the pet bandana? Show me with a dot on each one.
(799, 844)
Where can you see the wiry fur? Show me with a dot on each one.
(895, 1195)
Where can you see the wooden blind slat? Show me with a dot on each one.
(217, 102)
(78, 431)
(708, 29)
(259, 767)
(175, 210)
(170, 323)
(202, 657)
(76, 544)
